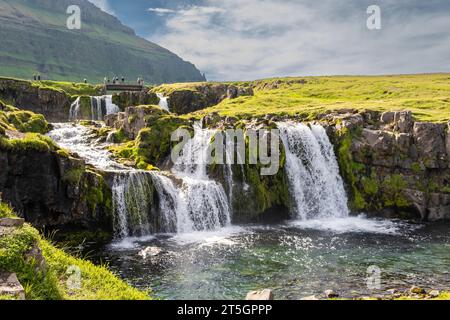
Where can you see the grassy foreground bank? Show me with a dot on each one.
(56, 278)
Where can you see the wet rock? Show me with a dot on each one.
(416, 290)
(330, 294)
(262, 295)
(12, 222)
(10, 286)
(434, 293)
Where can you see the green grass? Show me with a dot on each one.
(97, 282)
(70, 88)
(427, 96)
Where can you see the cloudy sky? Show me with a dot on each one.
(251, 39)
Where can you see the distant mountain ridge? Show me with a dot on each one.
(34, 39)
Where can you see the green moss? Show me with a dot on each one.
(5, 210)
(393, 191)
(370, 186)
(348, 167)
(31, 141)
(73, 176)
(26, 121)
(153, 144)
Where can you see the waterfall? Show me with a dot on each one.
(313, 173)
(132, 198)
(163, 103)
(206, 200)
(102, 106)
(74, 112)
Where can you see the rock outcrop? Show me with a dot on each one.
(52, 190)
(53, 104)
(393, 164)
(128, 99)
(202, 96)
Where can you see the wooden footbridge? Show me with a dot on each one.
(122, 87)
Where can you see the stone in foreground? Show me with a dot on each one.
(11, 222)
(262, 295)
(416, 290)
(330, 294)
(10, 286)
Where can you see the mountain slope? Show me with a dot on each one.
(34, 39)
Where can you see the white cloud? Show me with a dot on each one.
(250, 39)
(161, 11)
(104, 5)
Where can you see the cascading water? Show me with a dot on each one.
(316, 186)
(132, 199)
(74, 112)
(206, 200)
(163, 103)
(101, 106)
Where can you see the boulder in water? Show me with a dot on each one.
(262, 295)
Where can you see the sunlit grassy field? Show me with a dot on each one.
(427, 96)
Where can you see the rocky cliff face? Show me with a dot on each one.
(394, 165)
(53, 104)
(54, 191)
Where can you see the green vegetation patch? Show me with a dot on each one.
(59, 280)
(427, 96)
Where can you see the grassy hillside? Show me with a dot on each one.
(51, 282)
(427, 96)
(35, 39)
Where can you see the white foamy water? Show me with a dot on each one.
(163, 101)
(80, 140)
(315, 184)
(359, 224)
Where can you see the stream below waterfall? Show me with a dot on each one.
(204, 256)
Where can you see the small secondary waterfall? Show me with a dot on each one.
(132, 199)
(163, 103)
(74, 111)
(100, 107)
(316, 186)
